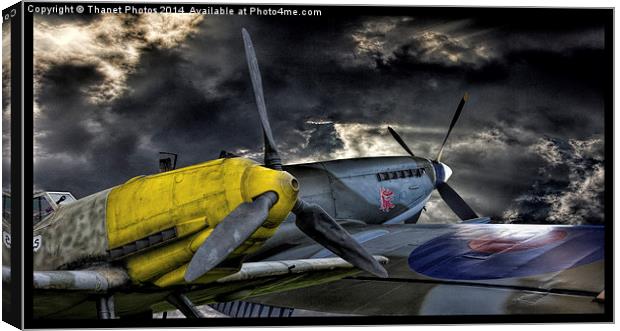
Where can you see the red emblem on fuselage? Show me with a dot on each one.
(386, 199)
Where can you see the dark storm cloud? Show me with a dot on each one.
(322, 136)
(65, 107)
(332, 85)
(570, 186)
(465, 50)
(67, 145)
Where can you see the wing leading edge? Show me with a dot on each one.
(69, 293)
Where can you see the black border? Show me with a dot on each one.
(609, 163)
(606, 15)
(28, 161)
(13, 312)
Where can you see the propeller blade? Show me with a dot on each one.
(455, 118)
(455, 202)
(229, 234)
(317, 224)
(400, 140)
(414, 219)
(272, 158)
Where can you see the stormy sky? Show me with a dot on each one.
(111, 91)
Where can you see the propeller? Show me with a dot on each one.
(311, 219)
(272, 158)
(455, 202)
(400, 141)
(229, 234)
(443, 172)
(455, 118)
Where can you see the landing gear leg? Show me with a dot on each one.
(105, 307)
(182, 303)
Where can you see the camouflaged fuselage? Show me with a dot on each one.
(75, 233)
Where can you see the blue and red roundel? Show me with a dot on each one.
(479, 252)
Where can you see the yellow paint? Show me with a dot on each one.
(193, 200)
(153, 263)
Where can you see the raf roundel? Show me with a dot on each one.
(479, 252)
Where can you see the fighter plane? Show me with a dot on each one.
(471, 268)
(215, 232)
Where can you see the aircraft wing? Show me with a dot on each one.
(458, 269)
(70, 293)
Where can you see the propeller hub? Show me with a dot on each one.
(294, 184)
(258, 180)
(442, 172)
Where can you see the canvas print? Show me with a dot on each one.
(281, 162)
(8, 308)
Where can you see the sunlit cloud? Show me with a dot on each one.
(112, 44)
(386, 40)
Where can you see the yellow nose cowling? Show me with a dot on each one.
(192, 201)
